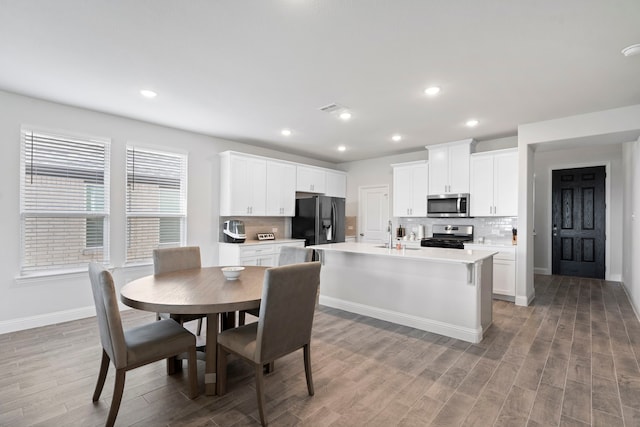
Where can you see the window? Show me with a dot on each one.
(156, 201)
(64, 201)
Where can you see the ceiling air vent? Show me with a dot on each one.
(331, 108)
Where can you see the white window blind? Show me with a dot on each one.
(156, 201)
(64, 201)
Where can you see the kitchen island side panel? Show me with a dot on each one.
(428, 295)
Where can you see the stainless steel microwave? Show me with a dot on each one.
(448, 205)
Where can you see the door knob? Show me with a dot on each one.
(362, 234)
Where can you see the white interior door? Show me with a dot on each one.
(373, 213)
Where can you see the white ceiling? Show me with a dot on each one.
(243, 70)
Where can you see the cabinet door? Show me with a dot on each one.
(310, 180)
(245, 178)
(281, 189)
(438, 170)
(459, 168)
(420, 179)
(504, 277)
(336, 184)
(506, 184)
(481, 185)
(402, 190)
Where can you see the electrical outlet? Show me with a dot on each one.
(274, 229)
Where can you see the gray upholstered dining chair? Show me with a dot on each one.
(134, 347)
(288, 255)
(167, 260)
(284, 326)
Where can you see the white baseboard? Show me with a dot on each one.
(615, 278)
(524, 301)
(541, 270)
(461, 333)
(23, 323)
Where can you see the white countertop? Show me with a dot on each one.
(465, 256)
(264, 242)
(496, 244)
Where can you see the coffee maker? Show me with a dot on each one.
(233, 231)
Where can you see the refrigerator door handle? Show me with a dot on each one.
(334, 215)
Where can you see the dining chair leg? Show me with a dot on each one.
(172, 365)
(221, 372)
(260, 393)
(307, 368)
(102, 375)
(269, 367)
(241, 318)
(193, 374)
(199, 330)
(117, 397)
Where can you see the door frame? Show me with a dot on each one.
(368, 187)
(607, 210)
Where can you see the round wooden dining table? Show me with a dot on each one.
(197, 291)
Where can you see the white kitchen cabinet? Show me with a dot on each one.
(264, 254)
(504, 268)
(280, 189)
(242, 184)
(449, 167)
(310, 179)
(410, 184)
(335, 183)
(494, 183)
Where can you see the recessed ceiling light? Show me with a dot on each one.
(634, 49)
(342, 148)
(396, 138)
(286, 132)
(148, 93)
(472, 123)
(345, 115)
(433, 90)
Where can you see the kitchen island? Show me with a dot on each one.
(445, 291)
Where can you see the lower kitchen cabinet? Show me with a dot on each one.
(504, 268)
(264, 254)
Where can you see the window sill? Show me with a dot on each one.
(46, 276)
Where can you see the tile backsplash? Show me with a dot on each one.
(493, 229)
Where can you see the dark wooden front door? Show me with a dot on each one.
(578, 223)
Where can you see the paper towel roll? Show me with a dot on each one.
(420, 231)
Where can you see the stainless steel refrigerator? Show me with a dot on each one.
(319, 220)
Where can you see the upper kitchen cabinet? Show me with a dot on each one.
(494, 183)
(410, 189)
(243, 184)
(281, 188)
(449, 167)
(310, 179)
(336, 184)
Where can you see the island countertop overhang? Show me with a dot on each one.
(459, 256)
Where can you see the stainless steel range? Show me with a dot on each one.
(449, 236)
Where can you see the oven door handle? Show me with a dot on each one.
(458, 203)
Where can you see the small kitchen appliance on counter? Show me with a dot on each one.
(233, 231)
(449, 236)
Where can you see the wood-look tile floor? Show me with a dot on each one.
(570, 359)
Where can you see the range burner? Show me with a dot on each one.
(449, 236)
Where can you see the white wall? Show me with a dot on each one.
(50, 299)
(544, 163)
(631, 223)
